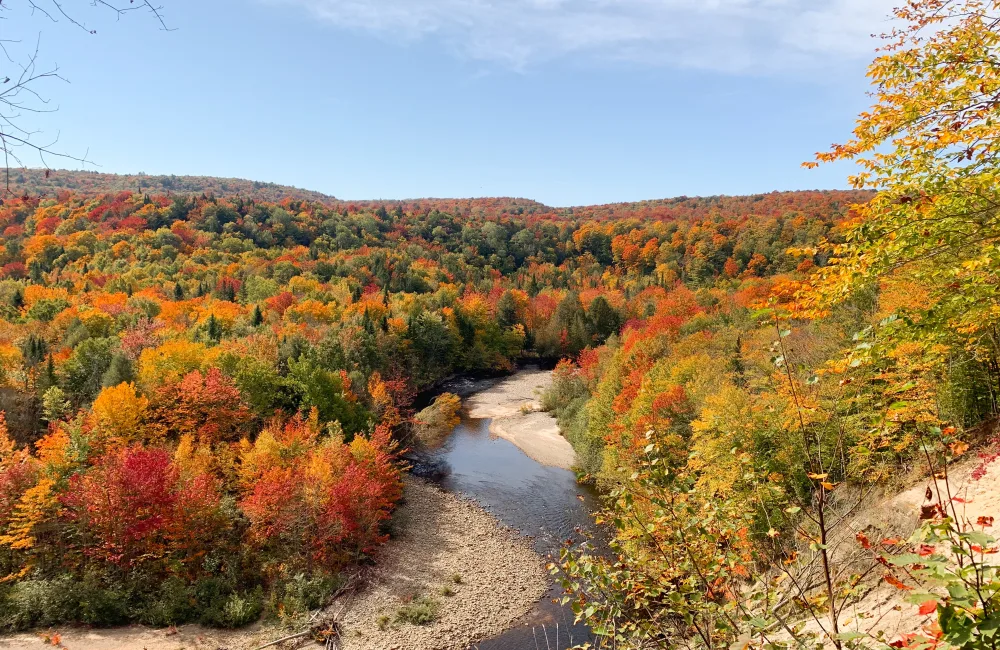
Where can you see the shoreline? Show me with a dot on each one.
(513, 406)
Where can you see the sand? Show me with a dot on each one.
(884, 609)
(501, 578)
(513, 404)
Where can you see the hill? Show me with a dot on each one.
(35, 182)
(59, 183)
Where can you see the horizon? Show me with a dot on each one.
(56, 172)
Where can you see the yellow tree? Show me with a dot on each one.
(118, 414)
(929, 147)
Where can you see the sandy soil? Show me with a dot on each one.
(501, 578)
(883, 609)
(513, 405)
(136, 637)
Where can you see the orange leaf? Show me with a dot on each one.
(928, 608)
(896, 582)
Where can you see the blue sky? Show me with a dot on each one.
(567, 102)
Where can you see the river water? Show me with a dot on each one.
(545, 503)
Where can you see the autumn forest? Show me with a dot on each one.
(211, 390)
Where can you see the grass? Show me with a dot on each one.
(446, 591)
(422, 610)
(457, 578)
(383, 621)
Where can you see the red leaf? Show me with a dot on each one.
(928, 608)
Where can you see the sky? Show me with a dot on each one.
(568, 102)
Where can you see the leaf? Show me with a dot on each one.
(928, 607)
(896, 582)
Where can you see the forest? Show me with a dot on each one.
(204, 396)
(207, 385)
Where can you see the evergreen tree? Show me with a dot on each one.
(119, 372)
(507, 310)
(214, 329)
(602, 320)
(49, 378)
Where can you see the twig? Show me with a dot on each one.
(290, 637)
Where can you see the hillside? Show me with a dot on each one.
(36, 183)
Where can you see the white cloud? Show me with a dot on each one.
(729, 35)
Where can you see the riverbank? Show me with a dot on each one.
(514, 406)
(482, 576)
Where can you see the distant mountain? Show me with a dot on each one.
(35, 182)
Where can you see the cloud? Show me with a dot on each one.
(728, 35)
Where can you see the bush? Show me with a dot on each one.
(173, 605)
(33, 603)
(303, 594)
(419, 611)
(232, 609)
(435, 422)
(242, 609)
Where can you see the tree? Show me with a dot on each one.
(507, 310)
(84, 371)
(54, 404)
(930, 147)
(118, 415)
(603, 320)
(208, 405)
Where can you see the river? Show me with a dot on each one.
(545, 503)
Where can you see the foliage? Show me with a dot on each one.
(741, 423)
(205, 390)
(435, 422)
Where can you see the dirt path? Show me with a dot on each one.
(513, 404)
(499, 580)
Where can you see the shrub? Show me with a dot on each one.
(39, 602)
(173, 605)
(303, 594)
(240, 610)
(435, 422)
(419, 611)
